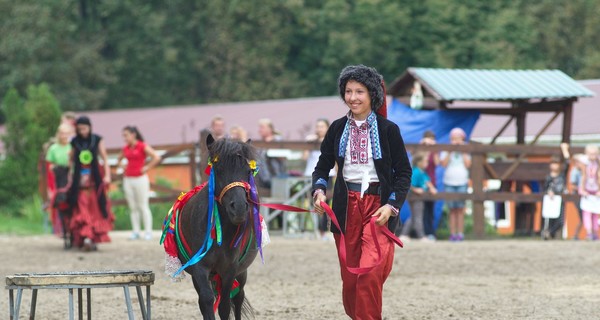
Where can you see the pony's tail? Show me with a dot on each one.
(247, 310)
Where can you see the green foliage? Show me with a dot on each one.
(115, 54)
(22, 217)
(29, 124)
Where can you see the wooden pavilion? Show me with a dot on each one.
(511, 93)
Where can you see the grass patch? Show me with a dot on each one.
(22, 217)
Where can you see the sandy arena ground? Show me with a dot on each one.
(510, 279)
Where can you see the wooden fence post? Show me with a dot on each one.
(203, 154)
(477, 176)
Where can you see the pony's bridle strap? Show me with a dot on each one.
(232, 185)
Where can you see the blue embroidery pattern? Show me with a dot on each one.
(322, 181)
(392, 196)
(373, 132)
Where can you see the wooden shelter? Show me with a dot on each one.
(512, 93)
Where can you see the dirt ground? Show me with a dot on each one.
(501, 279)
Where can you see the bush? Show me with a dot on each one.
(30, 123)
(23, 217)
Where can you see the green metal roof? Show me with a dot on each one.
(498, 85)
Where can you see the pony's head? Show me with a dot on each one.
(232, 163)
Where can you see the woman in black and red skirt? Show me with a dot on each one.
(92, 219)
(373, 179)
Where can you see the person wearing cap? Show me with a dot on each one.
(373, 179)
(92, 218)
(456, 180)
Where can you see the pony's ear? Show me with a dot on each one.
(249, 141)
(209, 140)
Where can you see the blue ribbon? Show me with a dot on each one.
(208, 241)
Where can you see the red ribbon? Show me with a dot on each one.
(372, 225)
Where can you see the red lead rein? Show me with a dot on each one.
(372, 223)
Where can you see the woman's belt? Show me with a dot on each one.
(374, 187)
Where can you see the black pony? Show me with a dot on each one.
(224, 267)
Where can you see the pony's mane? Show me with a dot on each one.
(231, 153)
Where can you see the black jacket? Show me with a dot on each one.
(393, 169)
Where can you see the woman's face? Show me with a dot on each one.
(128, 137)
(264, 130)
(83, 130)
(321, 128)
(357, 98)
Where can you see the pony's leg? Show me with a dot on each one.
(225, 304)
(238, 300)
(205, 293)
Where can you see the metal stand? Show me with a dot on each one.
(79, 281)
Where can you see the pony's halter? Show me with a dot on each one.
(241, 184)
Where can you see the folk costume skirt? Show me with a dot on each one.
(87, 220)
(362, 294)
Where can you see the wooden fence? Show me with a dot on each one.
(513, 165)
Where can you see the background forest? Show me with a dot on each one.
(131, 53)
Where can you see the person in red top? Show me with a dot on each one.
(135, 181)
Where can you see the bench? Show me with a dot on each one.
(80, 280)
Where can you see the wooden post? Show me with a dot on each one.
(193, 167)
(521, 128)
(477, 176)
(203, 154)
(567, 122)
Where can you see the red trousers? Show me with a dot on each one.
(362, 294)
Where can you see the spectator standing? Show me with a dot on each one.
(555, 184)
(238, 133)
(433, 160)
(456, 180)
(136, 184)
(312, 157)
(420, 184)
(57, 158)
(580, 162)
(217, 127)
(271, 165)
(589, 186)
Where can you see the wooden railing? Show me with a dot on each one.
(513, 166)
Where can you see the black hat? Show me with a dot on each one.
(371, 79)
(83, 120)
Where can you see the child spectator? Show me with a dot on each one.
(580, 161)
(420, 183)
(589, 187)
(433, 160)
(456, 179)
(556, 185)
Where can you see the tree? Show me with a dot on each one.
(44, 41)
(29, 124)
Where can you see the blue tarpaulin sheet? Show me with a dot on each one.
(413, 123)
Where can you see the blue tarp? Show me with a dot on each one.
(413, 123)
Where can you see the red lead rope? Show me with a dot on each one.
(372, 225)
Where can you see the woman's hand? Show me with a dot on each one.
(106, 179)
(383, 214)
(319, 197)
